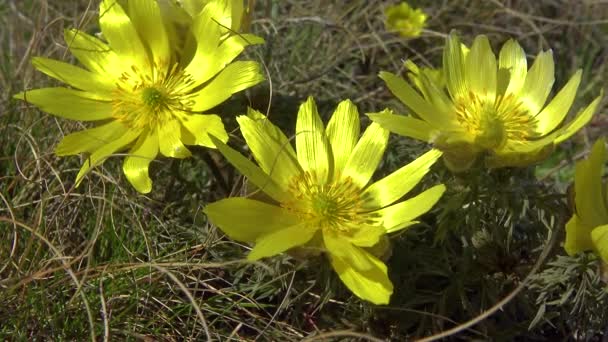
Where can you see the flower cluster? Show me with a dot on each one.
(161, 65)
(146, 86)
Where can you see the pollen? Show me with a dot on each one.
(148, 99)
(493, 122)
(337, 205)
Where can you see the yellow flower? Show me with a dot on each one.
(404, 19)
(588, 227)
(487, 106)
(145, 95)
(319, 194)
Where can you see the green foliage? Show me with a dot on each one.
(144, 265)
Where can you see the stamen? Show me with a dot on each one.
(148, 99)
(493, 122)
(337, 205)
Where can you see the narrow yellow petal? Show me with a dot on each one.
(480, 69)
(68, 103)
(453, 67)
(193, 7)
(404, 125)
(555, 112)
(253, 173)
(281, 240)
(271, 149)
(207, 33)
(135, 166)
(90, 140)
(147, 20)
(75, 76)
(599, 235)
(247, 220)
(394, 186)
(100, 155)
(228, 50)
(400, 215)
(196, 129)
(312, 145)
(589, 198)
(94, 54)
(343, 132)
(121, 35)
(235, 77)
(580, 120)
(512, 59)
(340, 247)
(372, 285)
(578, 236)
(169, 140)
(367, 235)
(539, 82)
(367, 155)
(406, 94)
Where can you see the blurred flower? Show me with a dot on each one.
(318, 194)
(588, 227)
(145, 91)
(404, 19)
(491, 107)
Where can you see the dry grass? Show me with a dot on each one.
(103, 262)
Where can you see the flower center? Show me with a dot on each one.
(337, 206)
(493, 122)
(153, 97)
(148, 99)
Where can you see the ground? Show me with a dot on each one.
(104, 262)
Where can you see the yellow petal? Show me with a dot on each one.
(578, 236)
(394, 186)
(372, 285)
(207, 33)
(599, 235)
(193, 7)
(75, 76)
(512, 58)
(253, 173)
(404, 125)
(271, 149)
(247, 220)
(589, 199)
(90, 139)
(340, 247)
(68, 103)
(343, 131)
(580, 120)
(520, 155)
(480, 69)
(367, 235)
(281, 240)
(539, 82)
(135, 166)
(555, 112)
(453, 67)
(406, 94)
(228, 50)
(312, 146)
(169, 140)
(235, 77)
(99, 156)
(367, 155)
(196, 129)
(400, 215)
(121, 35)
(94, 54)
(147, 20)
